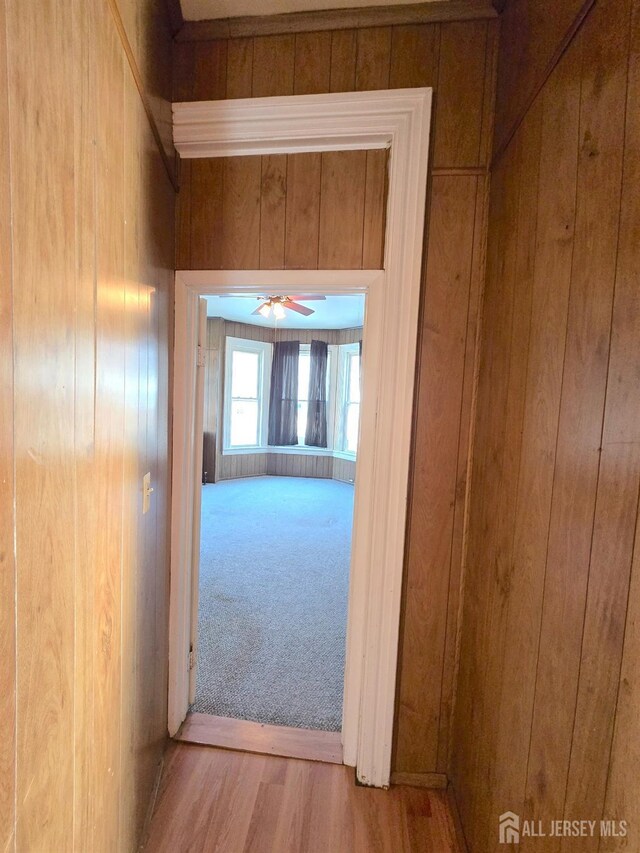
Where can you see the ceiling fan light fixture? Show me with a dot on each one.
(278, 311)
(265, 310)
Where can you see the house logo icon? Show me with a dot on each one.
(509, 824)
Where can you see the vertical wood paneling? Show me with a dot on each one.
(273, 64)
(414, 56)
(134, 468)
(7, 564)
(41, 71)
(620, 449)
(303, 211)
(460, 510)
(184, 227)
(241, 213)
(273, 200)
(210, 72)
(84, 672)
(602, 117)
(548, 665)
(504, 358)
(312, 63)
(343, 61)
(448, 281)
(239, 67)
(373, 58)
(534, 31)
(92, 233)
(202, 197)
(109, 430)
(461, 83)
(342, 211)
(375, 210)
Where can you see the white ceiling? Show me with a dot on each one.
(334, 312)
(198, 10)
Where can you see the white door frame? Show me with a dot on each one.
(395, 119)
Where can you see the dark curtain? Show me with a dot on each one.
(283, 399)
(316, 432)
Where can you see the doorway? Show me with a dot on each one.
(398, 120)
(281, 421)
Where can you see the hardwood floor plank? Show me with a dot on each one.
(211, 799)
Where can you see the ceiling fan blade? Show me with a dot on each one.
(300, 309)
(305, 298)
(257, 311)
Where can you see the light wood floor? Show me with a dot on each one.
(232, 802)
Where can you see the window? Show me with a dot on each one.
(304, 366)
(245, 398)
(351, 398)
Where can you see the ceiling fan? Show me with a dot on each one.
(278, 304)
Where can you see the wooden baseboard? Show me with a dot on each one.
(457, 822)
(420, 780)
(337, 19)
(248, 736)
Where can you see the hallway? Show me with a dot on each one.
(232, 802)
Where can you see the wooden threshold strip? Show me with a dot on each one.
(248, 736)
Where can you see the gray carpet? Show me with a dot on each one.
(274, 574)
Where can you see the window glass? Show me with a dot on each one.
(244, 423)
(354, 377)
(245, 402)
(304, 366)
(351, 430)
(352, 402)
(244, 374)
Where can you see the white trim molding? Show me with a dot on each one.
(399, 120)
(297, 123)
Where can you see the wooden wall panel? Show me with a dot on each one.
(108, 429)
(548, 619)
(342, 213)
(304, 174)
(457, 59)
(292, 465)
(200, 225)
(344, 469)
(40, 60)
(7, 486)
(283, 212)
(536, 31)
(447, 296)
(461, 85)
(620, 452)
(273, 206)
(312, 73)
(89, 266)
